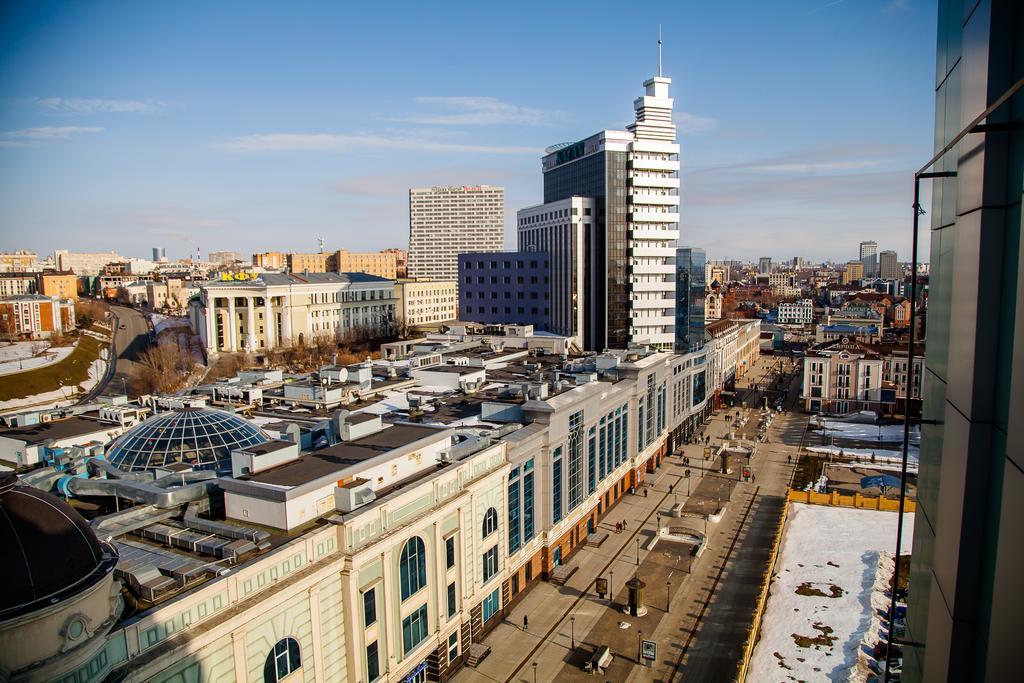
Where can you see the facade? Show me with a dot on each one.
(633, 176)
(691, 298)
(63, 285)
(84, 263)
(447, 221)
(560, 229)
(16, 284)
(713, 307)
(888, 266)
(505, 287)
(18, 261)
(842, 376)
(734, 346)
(796, 313)
(279, 309)
(965, 594)
(401, 261)
(380, 263)
(764, 265)
(426, 302)
(854, 272)
(308, 263)
(869, 258)
(34, 316)
(159, 254)
(270, 260)
(225, 258)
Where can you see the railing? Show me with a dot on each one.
(853, 501)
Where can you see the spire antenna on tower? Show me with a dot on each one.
(659, 50)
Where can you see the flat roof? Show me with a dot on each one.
(57, 429)
(268, 447)
(454, 369)
(340, 456)
(359, 418)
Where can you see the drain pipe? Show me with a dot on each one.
(975, 126)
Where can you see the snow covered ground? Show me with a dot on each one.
(20, 356)
(869, 432)
(881, 454)
(820, 604)
(166, 322)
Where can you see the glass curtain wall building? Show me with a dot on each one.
(966, 594)
(690, 298)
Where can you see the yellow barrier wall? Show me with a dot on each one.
(854, 501)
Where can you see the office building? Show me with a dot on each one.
(889, 267)
(18, 261)
(270, 260)
(380, 263)
(561, 229)
(505, 287)
(447, 221)
(633, 176)
(764, 265)
(84, 263)
(225, 258)
(869, 257)
(854, 272)
(159, 254)
(690, 298)
(282, 309)
(966, 595)
(426, 303)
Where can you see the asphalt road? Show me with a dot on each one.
(131, 339)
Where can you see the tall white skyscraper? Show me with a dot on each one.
(629, 247)
(869, 257)
(447, 221)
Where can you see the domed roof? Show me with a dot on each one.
(201, 437)
(50, 551)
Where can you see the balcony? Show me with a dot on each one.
(653, 165)
(661, 252)
(669, 287)
(653, 199)
(657, 304)
(641, 215)
(653, 269)
(650, 181)
(653, 234)
(652, 321)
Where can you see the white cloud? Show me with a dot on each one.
(79, 105)
(687, 124)
(478, 111)
(29, 136)
(334, 142)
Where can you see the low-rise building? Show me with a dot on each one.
(34, 316)
(796, 313)
(18, 283)
(270, 260)
(261, 311)
(713, 307)
(35, 443)
(843, 376)
(308, 263)
(424, 303)
(60, 284)
(380, 263)
(505, 287)
(18, 261)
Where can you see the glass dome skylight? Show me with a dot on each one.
(201, 437)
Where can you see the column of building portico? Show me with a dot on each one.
(269, 328)
(250, 340)
(211, 326)
(286, 315)
(232, 340)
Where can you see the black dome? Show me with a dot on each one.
(49, 551)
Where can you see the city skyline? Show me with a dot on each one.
(272, 146)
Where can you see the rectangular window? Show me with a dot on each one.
(591, 463)
(453, 647)
(372, 662)
(491, 604)
(514, 535)
(528, 505)
(604, 455)
(369, 608)
(414, 629)
(490, 563)
(556, 486)
(453, 605)
(449, 552)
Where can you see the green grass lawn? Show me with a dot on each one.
(70, 371)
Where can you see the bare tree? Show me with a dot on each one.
(161, 369)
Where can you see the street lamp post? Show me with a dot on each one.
(638, 552)
(639, 645)
(572, 632)
(668, 595)
(611, 584)
(535, 672)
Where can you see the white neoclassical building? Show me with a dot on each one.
(278, 309)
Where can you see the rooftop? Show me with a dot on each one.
(57, 429)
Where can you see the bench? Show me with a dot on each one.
(599, 661)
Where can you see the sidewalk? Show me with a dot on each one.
(557, 613)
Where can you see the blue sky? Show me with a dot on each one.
(257, 126)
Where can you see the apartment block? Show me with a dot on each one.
(451, 220)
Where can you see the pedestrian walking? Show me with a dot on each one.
(526, 622)
(670, 487)
(645, 492)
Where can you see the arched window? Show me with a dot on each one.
(282, 660)
(490, 522)
(412, 566)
